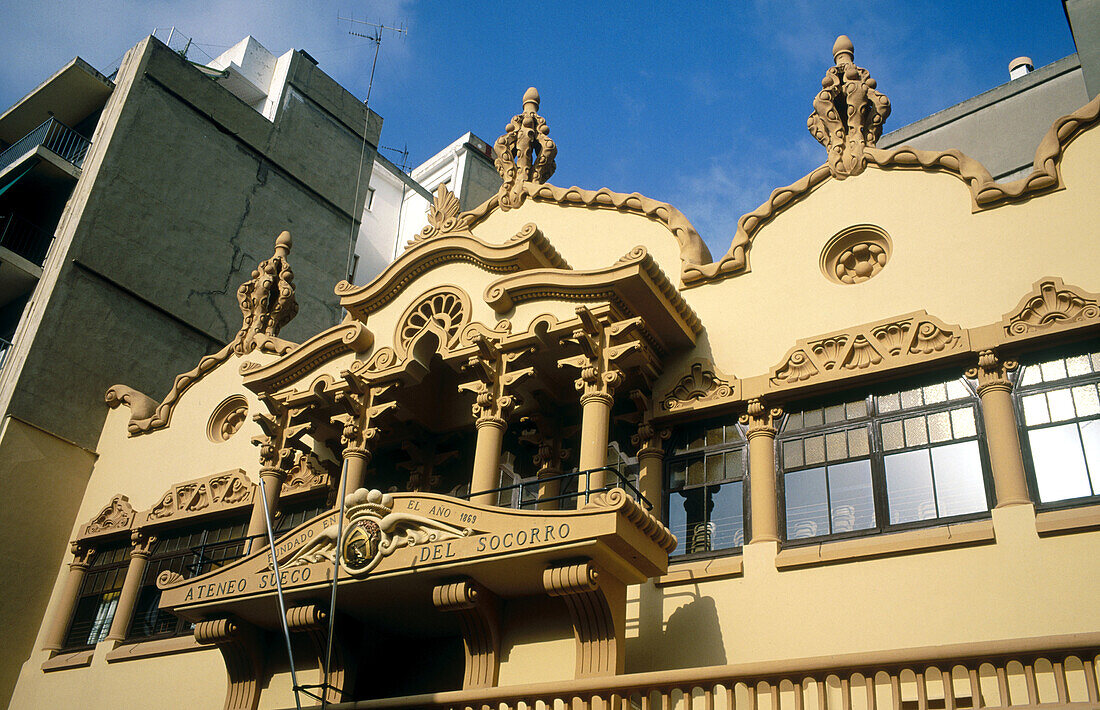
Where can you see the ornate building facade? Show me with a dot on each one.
(558, 455)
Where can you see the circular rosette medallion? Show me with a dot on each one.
(360, 549)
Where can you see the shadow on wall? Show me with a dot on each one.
(691, 637)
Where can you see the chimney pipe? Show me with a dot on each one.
(1020, 66)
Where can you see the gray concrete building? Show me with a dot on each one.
(1003, 126)
(131, 208)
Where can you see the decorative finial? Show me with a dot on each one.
(524, 153)
(283, 244)
(267, 300)
(848, 112)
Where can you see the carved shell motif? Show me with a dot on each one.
(443, 311)
(698, 385)
(1050, 306)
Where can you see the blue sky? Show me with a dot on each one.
(701, 104)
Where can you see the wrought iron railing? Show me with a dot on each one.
(54, 135)
(5, 346)
(24, 238)
(568, 495)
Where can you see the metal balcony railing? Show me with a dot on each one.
(573, 489)
(55, 136)
(24, 238)
(5, 346)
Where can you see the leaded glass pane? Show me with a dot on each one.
(1078, 365)
(1031, 375)
(856, 410)
(934, 394)
(962, 423)
(836, 445)
(794, 421)
(677, 474)
(1090, 439)
(957, 390)
(889, 403)
(715, 435)
(792, 454)
(1085, 400)
(1060, 403)
(813, 417)
(715, 467)
(915, 432)
(858, 444)
(939, 426)
(892, 436)
(911, 399)
(1035, 409)
(834, 414)
(815, 449)
(1053, 370)
(695, 473)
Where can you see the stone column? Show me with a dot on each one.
(546, 436)
(606, 349)
(762, 484)
(651, 455)
(362, 410)
(62, 613)
(1001, 433)
(495, 376)
(135, 573)
(486, 473)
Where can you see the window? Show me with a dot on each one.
(706, 497)
(1058, 403)
(99, 592)
(369, 201)
(294, 514)
(895, 458)
(189, 552)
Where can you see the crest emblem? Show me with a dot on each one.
(361, 545)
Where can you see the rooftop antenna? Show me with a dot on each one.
(376, 37)
(403, 152)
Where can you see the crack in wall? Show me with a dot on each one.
(235, 261)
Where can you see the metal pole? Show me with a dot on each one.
(335, 577)
(279, 592)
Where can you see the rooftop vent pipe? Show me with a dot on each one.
(1020, 66)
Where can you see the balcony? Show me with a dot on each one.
(52, 135)
(25, 239)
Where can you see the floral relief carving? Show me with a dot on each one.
(701, 384)
(222, 490)
(524, 153)
(117, 515)
(1052, 304)
(875, 345)
(307, 472)
(444, 217)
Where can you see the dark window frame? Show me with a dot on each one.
(876, 456)
(98, 569)
(146, 610)
(674, 457)
(1019, 391)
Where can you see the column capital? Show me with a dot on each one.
(607, 347)
(761, 419)
(992, 372)
(364, 407)
(495, 379)
(82, 555)
(142, 544)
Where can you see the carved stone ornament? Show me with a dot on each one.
(117, 515)
(222, 490)
(848, 112)
(307, 473)
(373, 531)
(992, 372)
(855, 254)
(444, 217)
(1052, 304)
(267, 300)
(443, 311)
(882, 344)
(227, 419)
(700, 385)
(524, 153)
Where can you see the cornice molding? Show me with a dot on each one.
(635, 283)
(350, 336)
(529, 249)
(985, 192)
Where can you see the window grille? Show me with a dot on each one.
(189, 552)
(99, 592)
